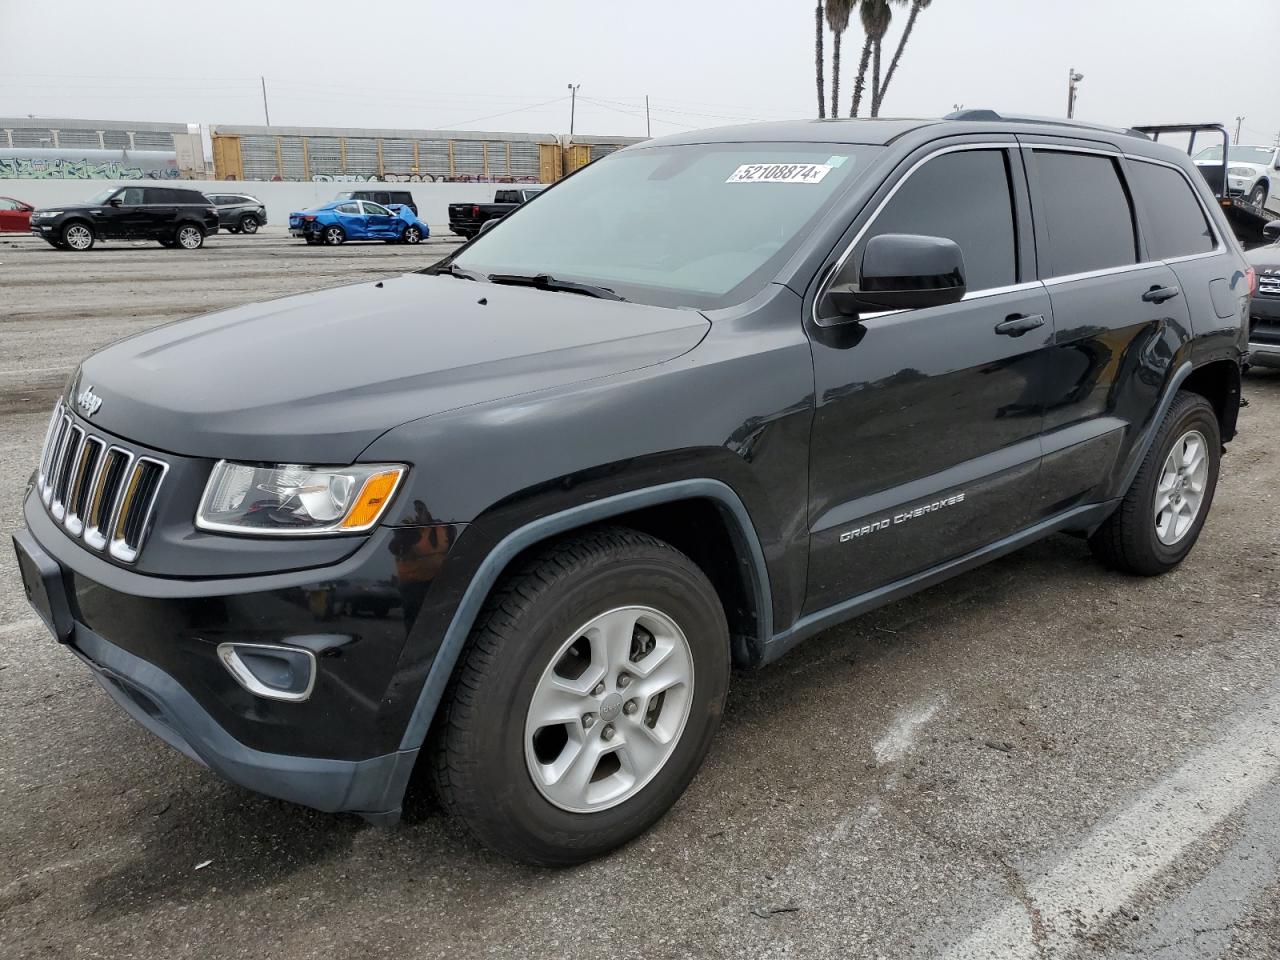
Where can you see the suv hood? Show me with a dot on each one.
(1264, 258)
(316, 378)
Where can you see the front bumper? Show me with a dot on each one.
(151, 642)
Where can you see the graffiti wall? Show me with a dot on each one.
(115, 165)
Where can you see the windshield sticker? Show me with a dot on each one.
(779, 173)
(836, 161)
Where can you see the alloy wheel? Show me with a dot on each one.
(333, 235)
(1181, 486)
(78, 237)
(249, 225)
(609, 709)
(189, 238)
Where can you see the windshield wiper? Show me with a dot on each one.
(453, 270)
(543, 281)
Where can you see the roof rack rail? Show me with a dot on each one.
(991, 115)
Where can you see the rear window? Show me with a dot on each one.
(1176, 222)
(506, 196)
(1086, 213)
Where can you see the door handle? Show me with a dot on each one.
(1017, 324)
(1160, 294)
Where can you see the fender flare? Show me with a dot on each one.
(541, 529)
(1142, 445)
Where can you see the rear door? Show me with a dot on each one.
(1119, 316)
(926, 438)
(351, 218)
(160, 206)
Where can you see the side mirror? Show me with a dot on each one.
(1272, 230)
(488, 224)
(901, 271)
(116, 201)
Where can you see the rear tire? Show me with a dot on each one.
(78, 236)
(334, 235)
(248, 224)
(636, 732)
(188, 236)
(1160, 517)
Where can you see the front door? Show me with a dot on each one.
(926, 439)
(380, 221)
(126, 218)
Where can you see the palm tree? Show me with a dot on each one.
(817, 63)
(916, 7)
(838, 12)
(875, 22)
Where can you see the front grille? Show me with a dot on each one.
(98, 490)
(1269, 286)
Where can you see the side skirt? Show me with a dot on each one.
(1084, 518)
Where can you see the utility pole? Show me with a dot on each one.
(1239, 120)
(265, 111)
(648, 130)
(573, 104)
(1073, 78)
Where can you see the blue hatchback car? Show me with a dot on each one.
(344, 220)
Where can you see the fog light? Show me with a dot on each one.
(266, 670)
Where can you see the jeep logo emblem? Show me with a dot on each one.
(89, 402)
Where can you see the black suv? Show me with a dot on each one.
(238, 212)
(175, 217)
(384, 197)
(707, 397)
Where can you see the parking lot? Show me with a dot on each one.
(1037, 759)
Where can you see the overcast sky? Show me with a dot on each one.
(495, 65)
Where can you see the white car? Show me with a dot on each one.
(1252, 172)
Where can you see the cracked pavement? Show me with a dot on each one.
(1039, 759)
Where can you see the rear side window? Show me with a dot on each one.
(349, 208)
(964, 197)
(1176, 221)
(401, 197)
(1086, 213)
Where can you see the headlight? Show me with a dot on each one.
(293, 500)
(46, 214)
(1239, 172)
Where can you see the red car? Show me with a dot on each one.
(15, 216)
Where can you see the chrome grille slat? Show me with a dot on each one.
(100, 492)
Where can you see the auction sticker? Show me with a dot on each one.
(779, 173)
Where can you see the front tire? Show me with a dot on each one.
(585, 700)
(1259, 195)
(1160, 518)
(412, 234)
(78, 236)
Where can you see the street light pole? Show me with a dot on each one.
(1239, 121)
(265, 112)
(1073, 78)
(573, 104)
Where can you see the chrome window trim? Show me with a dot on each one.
(976, 295)
(835, 269)
(1102, 272)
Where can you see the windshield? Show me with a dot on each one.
(698, 225)
(102, 196)
(1261, 155)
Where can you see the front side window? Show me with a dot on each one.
(964, 197)
(131, 196)
(692, 225)
(1176, 221)
(376, 209)
(1086, 213)
(7, 204)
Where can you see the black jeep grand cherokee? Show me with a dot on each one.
(588, 463)
(174, 216)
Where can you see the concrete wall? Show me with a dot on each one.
(281, 198)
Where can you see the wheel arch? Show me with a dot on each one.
(1218, 382)
(702, 517)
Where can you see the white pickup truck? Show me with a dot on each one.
(1253, 172)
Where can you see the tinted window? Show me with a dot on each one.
(1086, 213)
(1176, 222)
(964, 197)
(131, 196)
(506, 196)
(400, 196)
